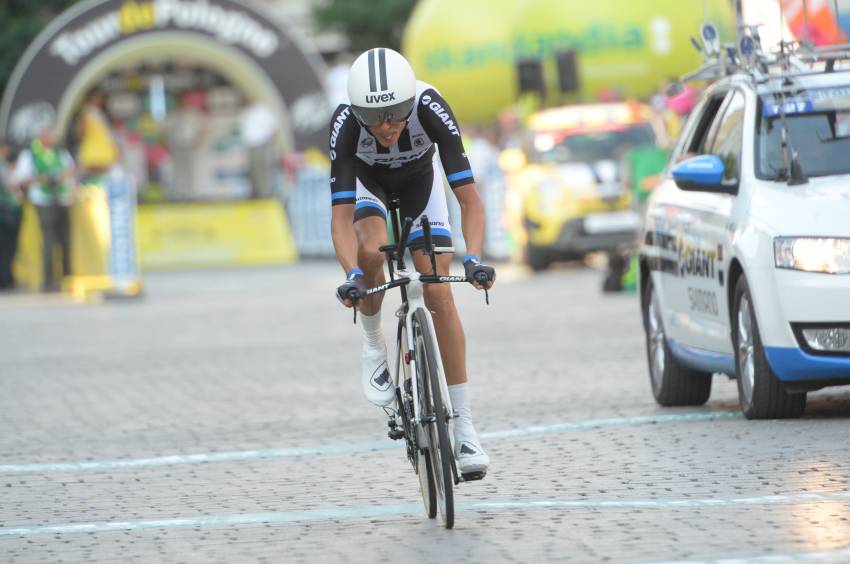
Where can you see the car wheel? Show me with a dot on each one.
(538, 258)
(672, 383)
(760, 393)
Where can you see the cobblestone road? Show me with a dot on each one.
(219, 419)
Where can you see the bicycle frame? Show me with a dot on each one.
(415, 300)
(411, 283)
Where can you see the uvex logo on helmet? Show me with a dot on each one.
(374, 98)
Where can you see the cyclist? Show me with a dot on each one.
(382, 142)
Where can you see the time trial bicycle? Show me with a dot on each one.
(423, 414)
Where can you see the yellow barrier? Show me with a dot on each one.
(89, 240)
(169, 236)
(214, 234)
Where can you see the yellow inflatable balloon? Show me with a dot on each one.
(469, 49)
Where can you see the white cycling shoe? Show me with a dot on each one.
(471, 458)
(375, 377)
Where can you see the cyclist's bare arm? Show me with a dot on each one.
(443, 131)
(342, 144)
(341, 149)
(472, 217)
(472, 221)
(343, 235)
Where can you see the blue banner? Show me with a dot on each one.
(122, 214)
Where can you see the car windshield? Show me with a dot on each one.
(590, 146)
(821, 139)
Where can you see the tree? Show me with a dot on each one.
(22, 21)
(365, 23)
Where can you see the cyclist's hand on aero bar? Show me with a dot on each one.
(353, 289)
(481, 276)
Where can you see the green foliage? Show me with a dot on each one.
(366, 23)
(22, 20)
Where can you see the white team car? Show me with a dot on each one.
(745, 257)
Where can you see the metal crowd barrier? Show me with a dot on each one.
(309, 209)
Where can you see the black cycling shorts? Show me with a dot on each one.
(421, 192)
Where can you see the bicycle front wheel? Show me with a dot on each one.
(417, 453)
(439, 447)
(426, 484)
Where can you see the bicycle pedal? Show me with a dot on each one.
(395, 434)
(473, 476)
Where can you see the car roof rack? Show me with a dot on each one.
(791, 60)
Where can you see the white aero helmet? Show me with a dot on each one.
(381, 87)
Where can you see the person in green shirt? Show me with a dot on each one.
(10, 217)
(640, 167)
(642, 163)
(48, 172)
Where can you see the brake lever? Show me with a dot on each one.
(483, 279)
(354, 301)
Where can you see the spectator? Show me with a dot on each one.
(186, 129)
(682, 102)
(133, 152)
(640, 169)
(10, 218)
(258, 126)
(98, 150)
(673, 102)
(47, 171)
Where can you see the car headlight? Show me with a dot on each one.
(813, 254)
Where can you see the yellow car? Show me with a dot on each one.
(571, 198)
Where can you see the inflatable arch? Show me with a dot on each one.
(236, 39)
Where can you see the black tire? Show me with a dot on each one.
(424, 471)
(440, 448)
(760, 393)
(538, 258)
(426, 485)
(672, 384)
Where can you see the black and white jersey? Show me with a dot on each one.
(432, 122)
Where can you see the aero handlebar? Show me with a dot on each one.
(397, 252)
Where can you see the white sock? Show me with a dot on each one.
(372, 334)
(459, 394)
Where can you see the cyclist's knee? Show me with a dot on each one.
(369, 258)
(371, 262)
(371, 233)
(439, 298)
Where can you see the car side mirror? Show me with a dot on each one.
(703, 174)
(512, 160)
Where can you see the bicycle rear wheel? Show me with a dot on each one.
(440, 447)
